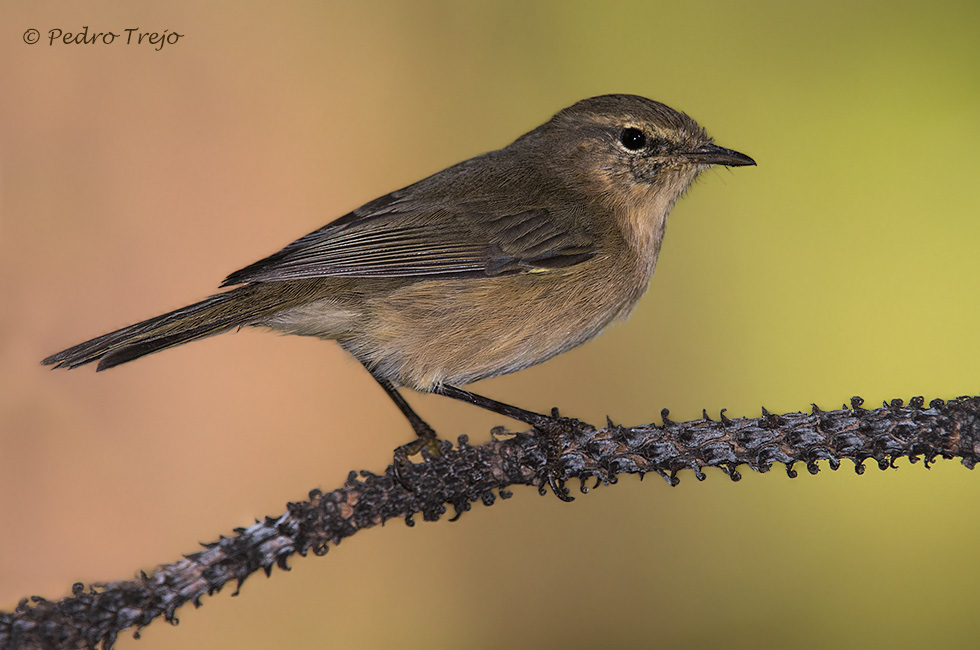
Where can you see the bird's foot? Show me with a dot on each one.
(553, 428)
(426, 440)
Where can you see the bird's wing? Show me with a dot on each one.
(395, 237)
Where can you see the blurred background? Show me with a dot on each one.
(845, 264)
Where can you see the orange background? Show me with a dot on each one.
(134, 180)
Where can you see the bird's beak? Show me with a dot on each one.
(712, 154)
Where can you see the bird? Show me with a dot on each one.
(492, 265)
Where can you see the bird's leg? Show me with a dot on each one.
(426, 436)
(421, 427)
(540, 422)
(552, 427)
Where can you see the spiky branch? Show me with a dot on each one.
(465, 474)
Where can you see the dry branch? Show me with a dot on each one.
(465, 474)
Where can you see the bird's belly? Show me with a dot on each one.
(459, 331)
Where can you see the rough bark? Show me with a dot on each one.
(465, 474)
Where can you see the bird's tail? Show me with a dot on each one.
(219, 313)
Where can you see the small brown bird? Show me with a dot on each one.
(485, 268)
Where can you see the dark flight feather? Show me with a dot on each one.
(395, 240)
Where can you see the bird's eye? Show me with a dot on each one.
(633, 139)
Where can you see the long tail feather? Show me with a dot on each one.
(214, 315)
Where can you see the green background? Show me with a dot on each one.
(845, 264)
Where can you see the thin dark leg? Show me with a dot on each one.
(422, 428)
(551, 427)
(426, 437)
(528, 417)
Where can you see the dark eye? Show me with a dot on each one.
(633, 139)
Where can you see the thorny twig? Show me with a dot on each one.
(466, 474)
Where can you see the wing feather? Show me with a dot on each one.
(402, 239)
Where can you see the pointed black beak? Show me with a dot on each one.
(712, 154)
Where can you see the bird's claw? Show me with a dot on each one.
(427, 440)
(552, 429)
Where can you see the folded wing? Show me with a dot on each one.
(395, 238)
